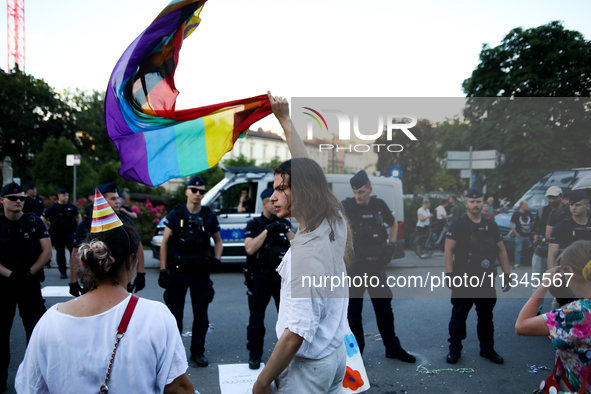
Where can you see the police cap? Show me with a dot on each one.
(105, 188)
(359, 180)
(576, 196)
(11, 188)
(30, 186)
(196, 181)
(474, 193)
(268, 192)
(62, 190)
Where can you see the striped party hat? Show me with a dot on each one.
(103, 216)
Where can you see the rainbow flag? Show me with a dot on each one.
(156, 142)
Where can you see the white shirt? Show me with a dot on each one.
(316, 313)
(425, 213)
(441, 213)
(68, 354)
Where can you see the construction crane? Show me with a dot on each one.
(15, 26)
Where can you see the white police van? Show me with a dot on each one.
(224, 197)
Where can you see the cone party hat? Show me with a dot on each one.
(103, 216)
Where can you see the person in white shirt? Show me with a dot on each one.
(72, 344)
(424, 220)
(310, 356)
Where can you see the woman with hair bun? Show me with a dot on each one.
(83, 346)
(570, 326)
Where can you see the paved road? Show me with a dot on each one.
(421, 324)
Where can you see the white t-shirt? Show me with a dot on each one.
(316, 313)
(70, 355)
(425, 213)
(441, 213)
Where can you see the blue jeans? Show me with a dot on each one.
(519, 247)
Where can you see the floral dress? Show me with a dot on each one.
(570, 330)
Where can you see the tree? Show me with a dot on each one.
(51, 173)
(416, 162)
(545, 61)
(240, 161)
(30, 113)
(518, 103)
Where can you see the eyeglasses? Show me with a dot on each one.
(196, 190)
(14, 198)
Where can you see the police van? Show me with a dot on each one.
(223, 199)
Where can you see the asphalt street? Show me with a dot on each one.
(421, 324)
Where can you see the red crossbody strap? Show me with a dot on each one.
(127, 315)
(585, 380)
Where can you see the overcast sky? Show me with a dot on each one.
(316, 48)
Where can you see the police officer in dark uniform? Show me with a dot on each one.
(185, 262)
(109, 192)
(33, 203)
(62, 218)
(472, 245)
(373, 249)
(25, 246)
(266, 239)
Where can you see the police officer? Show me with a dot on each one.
(185, 261)
(109, 192)
(373, 249)
(62, 218)
(25, 246)
(266, 239)
(33, 203)
(472, 245)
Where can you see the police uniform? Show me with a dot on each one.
(20, 246)
(568, 231)
(63, 220)
(262, 279)
(189, 263)
(474, 254)
(372, 253)
(33, 205)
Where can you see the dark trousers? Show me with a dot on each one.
(485, 327)
(31, 306)
(201, 296)
(264, 286)
(381, 298)
(61, 242)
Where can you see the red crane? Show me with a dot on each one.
(15, 26)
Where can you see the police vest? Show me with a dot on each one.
(190, 239)
(482, 249)
(270, 254)
(367, 224)
(64, 219)
(19, 241)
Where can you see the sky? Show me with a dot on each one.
(308, 48)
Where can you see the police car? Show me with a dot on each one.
(575, 179)
(224, 197)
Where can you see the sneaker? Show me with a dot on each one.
(254, 363)
(200, 361)
(516, 266)
(492, 356)
(402, 355)
(453, 357)
(424, 256)
(63, 275)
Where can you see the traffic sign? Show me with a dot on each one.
(72, 160)
(457, 155)
(458, 165)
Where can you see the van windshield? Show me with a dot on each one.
(535, 200)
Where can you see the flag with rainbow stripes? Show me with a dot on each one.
(155, 141)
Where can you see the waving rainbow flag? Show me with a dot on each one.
(156, 142)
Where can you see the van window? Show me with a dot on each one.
(228, 201)
(536, 199)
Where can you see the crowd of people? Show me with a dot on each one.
(357, 237)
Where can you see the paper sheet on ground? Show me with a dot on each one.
(237, 378)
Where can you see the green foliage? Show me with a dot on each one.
(545, 61)
(275, 161)
(416, 162)
(50, 171)
(30, 113)
(240, 161)
(444, 182)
